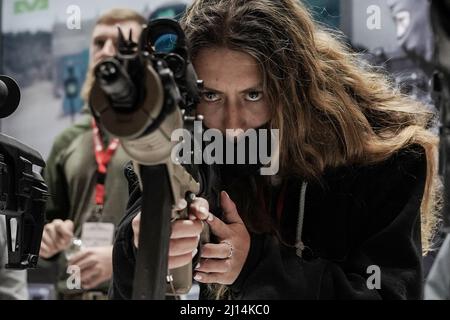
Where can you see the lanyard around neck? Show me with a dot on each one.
(102, 157)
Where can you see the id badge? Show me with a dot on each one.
(97, 234)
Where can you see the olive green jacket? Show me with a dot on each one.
(71, 176)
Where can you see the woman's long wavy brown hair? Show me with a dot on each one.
(330, 109)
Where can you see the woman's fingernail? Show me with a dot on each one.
(226, 194)
(197, 266)
(192, 217)
(203, 210)
(194, 252)
(198, 277)
(210, 217)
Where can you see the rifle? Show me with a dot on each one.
(141, 96)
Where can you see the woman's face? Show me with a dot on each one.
(233, 97)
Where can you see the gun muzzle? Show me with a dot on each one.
(116, 83)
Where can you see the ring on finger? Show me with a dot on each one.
(231, 248)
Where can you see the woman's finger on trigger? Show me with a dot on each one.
(199, 208)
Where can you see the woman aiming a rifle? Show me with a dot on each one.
(355, 192)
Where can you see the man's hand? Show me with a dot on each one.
(95, 265)
(56, 237)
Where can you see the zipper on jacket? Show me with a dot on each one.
(301, 215)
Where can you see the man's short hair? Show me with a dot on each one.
(117, 15)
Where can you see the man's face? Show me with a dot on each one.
(105, 38)
(412, 20)
(401, 13)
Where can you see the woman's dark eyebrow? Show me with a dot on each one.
(252, 88)
(206, 89)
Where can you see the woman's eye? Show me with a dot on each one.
(210, 97)
(254, 96)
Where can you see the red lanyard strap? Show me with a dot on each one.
(102, 157)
